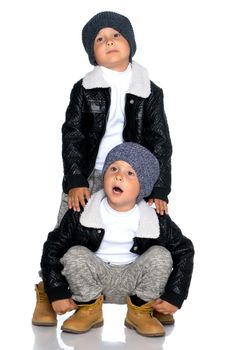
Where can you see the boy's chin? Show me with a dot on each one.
(121, 205)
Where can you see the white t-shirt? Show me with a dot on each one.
(119, 84)
(120, 229)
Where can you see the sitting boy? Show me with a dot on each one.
(118, 249)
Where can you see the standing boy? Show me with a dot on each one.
(114, 103)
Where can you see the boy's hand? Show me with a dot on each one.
(64, 305)
(78, 196)
(164, 307)
(160, 205)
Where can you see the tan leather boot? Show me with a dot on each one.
(86, 317)
(141, 319)
(43, 315)
(166, 320)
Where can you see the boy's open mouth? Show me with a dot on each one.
(117, 189)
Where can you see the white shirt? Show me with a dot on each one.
(120, 229)
(119, 84)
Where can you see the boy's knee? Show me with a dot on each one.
(74, 253)
(78, 249)
(160, 254)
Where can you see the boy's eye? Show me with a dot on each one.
(130, 173)
(113, 168)
(117, 35)
(99, 39)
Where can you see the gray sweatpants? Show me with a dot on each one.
(95, 184)
(89, 277)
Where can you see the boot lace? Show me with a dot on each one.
(42, 296)
(146, 310)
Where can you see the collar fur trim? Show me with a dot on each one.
(139, 85)
(148, 225)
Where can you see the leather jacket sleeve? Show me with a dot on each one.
(182, 252)
(74, 148)
(157, 140)
(57, 244)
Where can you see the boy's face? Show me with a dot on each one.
(121, 186)
(111, 50)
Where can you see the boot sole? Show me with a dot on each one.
(46, 324)
(132, 326)
(70, 330)
(167, 323)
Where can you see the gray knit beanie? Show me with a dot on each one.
(103, 20)
(141, 160)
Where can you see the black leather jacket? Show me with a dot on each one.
(73, 232)
(86, 119)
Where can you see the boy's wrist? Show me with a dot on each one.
(173, 298)
(58, 293)
(159, 193)
(74, 181)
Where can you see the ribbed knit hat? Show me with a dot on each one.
(141, 160)
(107, 19)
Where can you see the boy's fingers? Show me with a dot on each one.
(87, 195)
(161, 207)
(157, 301)
(150, 201)
(158, 211)
(76, 205)
(70, 202)
(82, 202)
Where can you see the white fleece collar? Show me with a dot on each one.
(139, 85)
(148, 225)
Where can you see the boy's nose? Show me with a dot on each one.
(110, 43)
(119, 177)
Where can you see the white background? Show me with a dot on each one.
(187, 48)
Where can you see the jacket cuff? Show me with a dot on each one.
(159, 193)
(58, 293)
(173, 298)
(74, 181)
